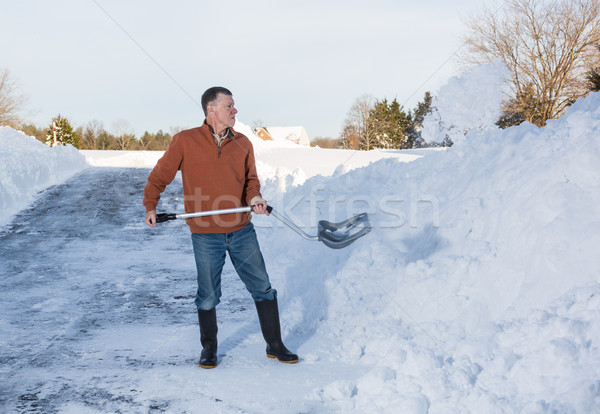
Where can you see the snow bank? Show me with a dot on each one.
(478, 289)
(115, 158)
(27, 166)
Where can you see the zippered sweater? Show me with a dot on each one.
(213, 178)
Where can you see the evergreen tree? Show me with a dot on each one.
(379, 121)
(385, 125)
(594, 80)
(105, 141)
(146, 140)
(524, 107)
(391, 125)
(64, 133)
(421, 111)
(161, 141)
(401, 123)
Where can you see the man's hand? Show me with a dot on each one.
(259, 206)
(151, 218)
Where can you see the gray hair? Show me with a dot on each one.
(210, 96)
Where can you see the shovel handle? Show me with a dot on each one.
(162, 217)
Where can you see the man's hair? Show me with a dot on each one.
(210, 96)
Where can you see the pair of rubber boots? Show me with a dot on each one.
(268, 316)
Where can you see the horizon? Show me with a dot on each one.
(146, 65)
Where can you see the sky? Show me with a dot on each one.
(143, 65)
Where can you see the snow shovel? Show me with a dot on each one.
(334, 235)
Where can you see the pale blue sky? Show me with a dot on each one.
(287, 63)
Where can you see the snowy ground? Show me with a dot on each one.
(100, 318)
(477, 291)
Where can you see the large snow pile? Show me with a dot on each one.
(27, 166)
(479, 285)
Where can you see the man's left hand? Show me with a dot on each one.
(259, 206)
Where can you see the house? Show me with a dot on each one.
(295, 134)
(263, 134)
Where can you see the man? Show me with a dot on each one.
(218, 171)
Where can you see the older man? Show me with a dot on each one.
(218, 172)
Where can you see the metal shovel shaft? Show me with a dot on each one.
(160, 218)
(214, 212)
(334, 235)
(293, 226)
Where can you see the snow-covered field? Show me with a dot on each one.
(478, 290)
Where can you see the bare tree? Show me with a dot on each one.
(349, 137)
(91, 133)
(358, 131)
(549, 46)
(176, 129)
(324, 142)
(12, 100)
(123, 132)
(257, 123)
(146, 140)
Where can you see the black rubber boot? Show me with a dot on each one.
(208, 337)
(268, 315)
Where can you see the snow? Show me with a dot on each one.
(296, 134)
(27, 166)
(477, 290)
(468, 102)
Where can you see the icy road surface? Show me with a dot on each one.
(97, 313)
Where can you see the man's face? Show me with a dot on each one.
(223, 112)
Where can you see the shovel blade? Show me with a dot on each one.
(344, 233)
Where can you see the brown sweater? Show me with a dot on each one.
(213, 178)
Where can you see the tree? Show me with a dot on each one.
(594, 80)
(64, 132)
(162, 141)
(33, 131)
(380, 122)
(90, 134)
(593, 77)
(158, 141)
(384, 124)
(105, 141)
(419, 114)
(257, 124)
(323, 142)
(548, 46)
(357, 127)
(12, 100)
(124, 137)
(401, 123)
(523, 107)
(349, 137)
(391, 125)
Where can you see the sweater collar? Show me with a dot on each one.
(228, 132)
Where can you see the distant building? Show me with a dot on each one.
(295, 134)
(263, 134)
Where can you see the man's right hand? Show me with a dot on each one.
(151, 218)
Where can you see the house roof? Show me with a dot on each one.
(295, 134)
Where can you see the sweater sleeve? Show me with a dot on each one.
(163, 173)
(252, 188)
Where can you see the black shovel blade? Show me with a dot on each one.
(340, 235)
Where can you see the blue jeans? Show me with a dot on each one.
(244, 252)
